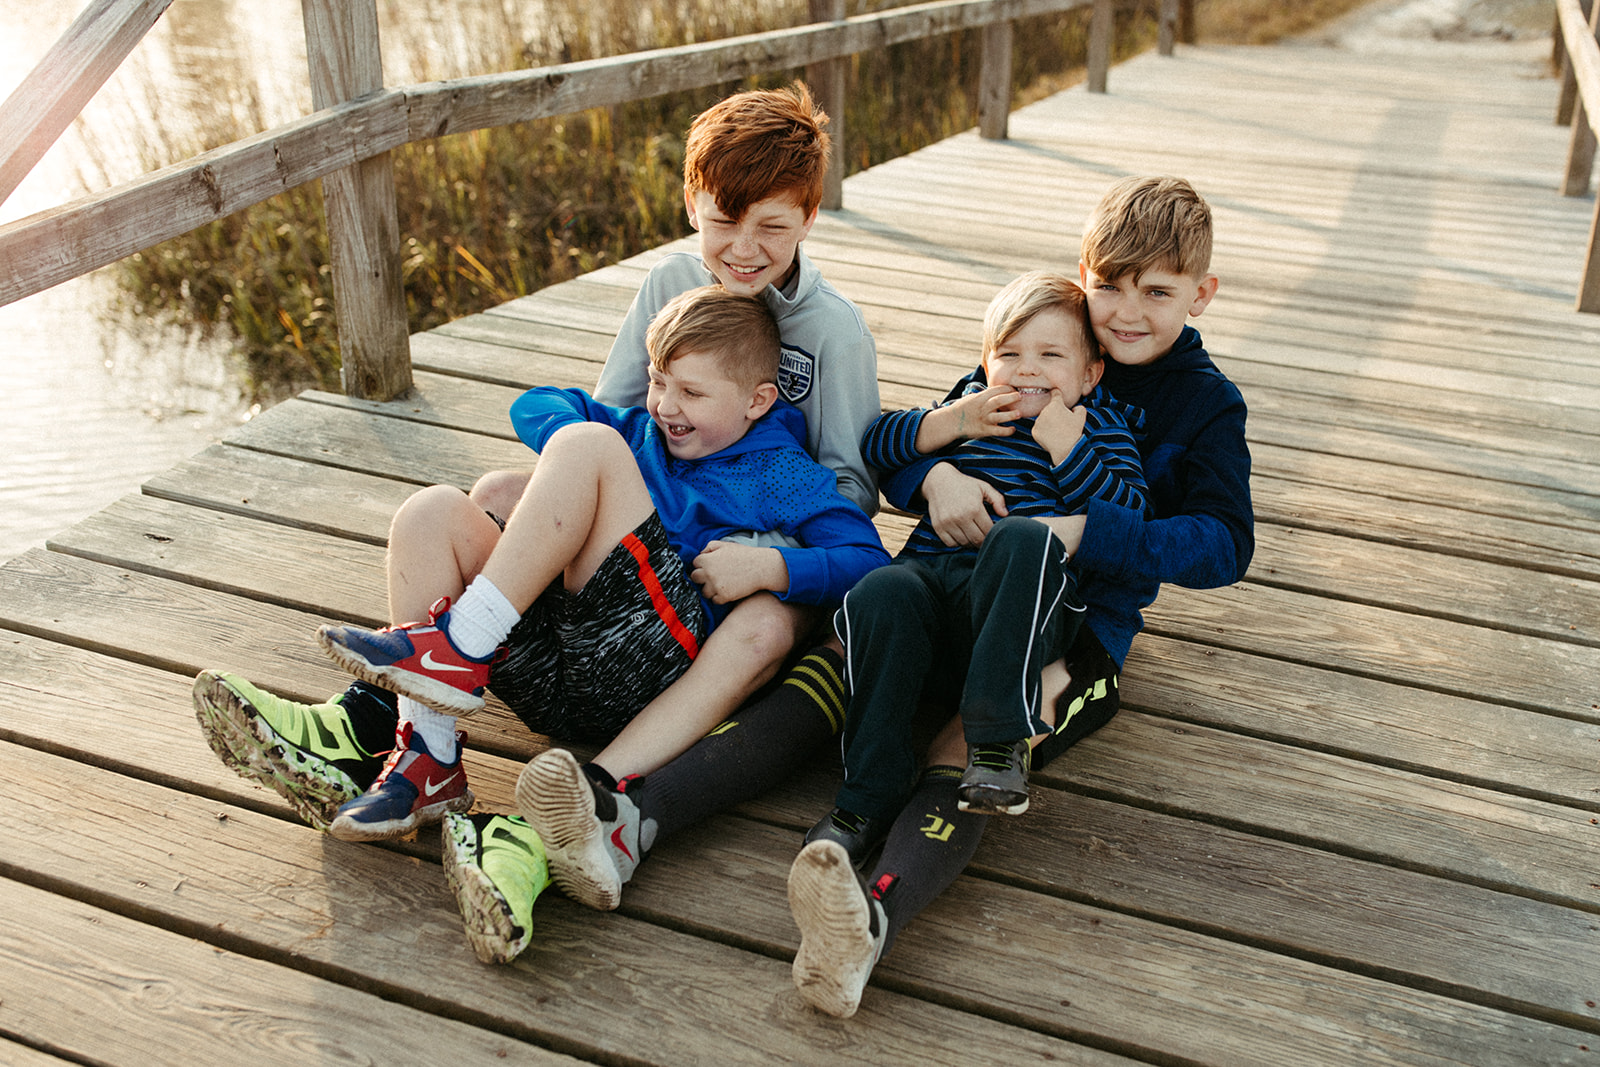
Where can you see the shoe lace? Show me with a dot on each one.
(847, 822)
(994, 757)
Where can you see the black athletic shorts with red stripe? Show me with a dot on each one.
(579, 666)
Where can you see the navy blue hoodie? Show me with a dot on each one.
(1201, 533)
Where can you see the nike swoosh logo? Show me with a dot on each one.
(616, 840)
(430, 787)
(434, 665)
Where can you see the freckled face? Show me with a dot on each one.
(1139, 322)
(698, 409)
(755, 251)
(1047, 353)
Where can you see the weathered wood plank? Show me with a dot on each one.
(1460, 739)
(216, 550)
(149, 732)
(592, 984)
(357, 441)
(344, 503)
(176, 627)
(1408, 928)
(1062, 965)
(134, 993)
(1411, 649)
(1481, 593)
(1468, 833)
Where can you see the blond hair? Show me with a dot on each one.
(1145, 224)
(1026, 296)
(739, 332)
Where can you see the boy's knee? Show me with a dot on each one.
(885, 594)
(435, 504)
(587, 438)
(762, 630)
(1013, 527)
(498, 492)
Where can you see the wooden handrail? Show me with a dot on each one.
(56, 90)
(344, 134)
(1580, 34)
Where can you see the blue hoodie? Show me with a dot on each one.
(764, 481)
(1201, 533)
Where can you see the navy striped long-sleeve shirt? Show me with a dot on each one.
(1104, 464)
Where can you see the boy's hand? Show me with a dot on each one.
(726, 571)
(959, 506)
(983, 414)
(1058, 427)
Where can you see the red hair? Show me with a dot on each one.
(757, 144)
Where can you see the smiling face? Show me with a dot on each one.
(752, 252)
(1137, 322)
(699, 409)
(1047, 352)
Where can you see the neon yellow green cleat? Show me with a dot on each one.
(309, 753)
(496, 868)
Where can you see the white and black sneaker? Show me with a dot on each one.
(590, 834)
(842, 929)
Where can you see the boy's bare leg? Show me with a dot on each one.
(742, 654)
(438, 542)
(949, 745)
(585, 496)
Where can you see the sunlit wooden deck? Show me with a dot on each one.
(1351, 813)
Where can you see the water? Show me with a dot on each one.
(92, 405)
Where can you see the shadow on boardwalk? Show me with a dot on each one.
(1350, 814)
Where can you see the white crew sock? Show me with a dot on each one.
(438, 731)
(481, 619)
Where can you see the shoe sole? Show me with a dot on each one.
(347, 829)
(983, 805)
(837, 949)
(440, 696)
(491, 929)
(553, 794)
(249, 745)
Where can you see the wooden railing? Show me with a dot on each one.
(358, 121)
(1578, 41)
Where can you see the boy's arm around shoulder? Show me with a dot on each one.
(839, 544)
(1203, 532)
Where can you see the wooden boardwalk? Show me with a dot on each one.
(1350, 813)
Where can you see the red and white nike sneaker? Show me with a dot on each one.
(417, 660)
(412, 789)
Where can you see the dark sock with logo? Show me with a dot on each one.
(929, 845)
(748, 754)
(373, 715)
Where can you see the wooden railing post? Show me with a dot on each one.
(1580, 148)
(994, 82)
(1099, 59)
(1563, 62)
(1167, 24)
(827, 86)
(363, 223)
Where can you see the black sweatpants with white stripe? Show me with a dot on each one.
(982, 623)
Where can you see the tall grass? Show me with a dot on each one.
(493, 214)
